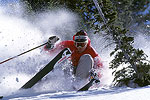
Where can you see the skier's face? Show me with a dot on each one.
(81, 46)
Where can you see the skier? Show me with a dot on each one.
(85, 60)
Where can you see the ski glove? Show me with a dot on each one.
(51, 41)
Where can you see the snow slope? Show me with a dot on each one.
(99, 94)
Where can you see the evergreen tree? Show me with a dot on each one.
(130, 65)
(131, 12)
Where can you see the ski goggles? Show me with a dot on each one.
(81, 38)
(80, 44)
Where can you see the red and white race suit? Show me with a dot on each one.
(75, 56)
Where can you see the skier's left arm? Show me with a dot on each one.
(97, 62)
(98, 65)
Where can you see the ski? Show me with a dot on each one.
(64, 54)
(89, 84)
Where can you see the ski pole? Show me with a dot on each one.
(22, 53)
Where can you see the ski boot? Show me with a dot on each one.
(94, 77)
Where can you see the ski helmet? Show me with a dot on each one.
(80, 36)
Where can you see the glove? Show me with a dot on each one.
(51, 41)
(94, 76)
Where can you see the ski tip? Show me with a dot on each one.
(1, 97)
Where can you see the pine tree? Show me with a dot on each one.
(130, 65)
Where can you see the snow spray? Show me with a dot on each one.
(18, 33)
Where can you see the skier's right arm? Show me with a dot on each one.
(52, 47)
(51, 42)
